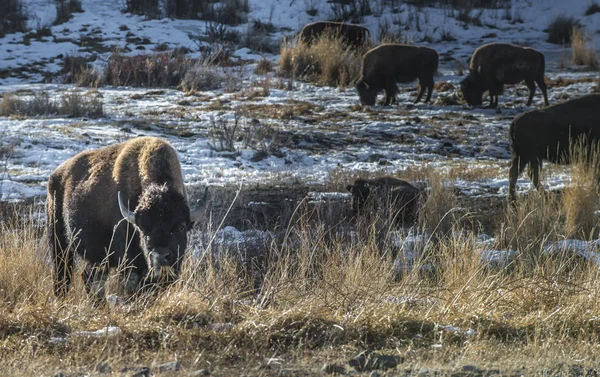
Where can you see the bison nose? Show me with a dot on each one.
(163, 257)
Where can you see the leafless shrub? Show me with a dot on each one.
(350, 10)
(72, 103)
(561, 28)
(221, 32)
(258, 38)
(264, 66)
(593, 8)
(65, 10)
(468, 16)
(203, 75)
(146, 70)
(76, 70)
(311, 7)
(148, 8)
(13, 17)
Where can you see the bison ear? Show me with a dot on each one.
(196, 212)
(125, 212)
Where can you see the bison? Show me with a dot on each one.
(390, 63)
(352, 35)
(549, 134)
(495, 64)
(89, 195)
(386, 192)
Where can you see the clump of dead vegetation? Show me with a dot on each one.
(583, 49)
(327, 61)
(72, 103)
(560, 29)
(13, 17)
(318, 293)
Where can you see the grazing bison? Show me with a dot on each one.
(495, 64)
(548, 134)
(352, 35)
(386, 192)
(390, 63)
(90, 194)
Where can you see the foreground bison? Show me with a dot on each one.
(90, 194)
(385, 193)
(495, 64)
(352, 35)
(388, 64)
(548, 134)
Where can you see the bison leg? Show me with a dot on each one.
(542, 84)
(61, 251)
(517, 166)
(425, 83)
(390, 93)
(534, 174)
(531, 86)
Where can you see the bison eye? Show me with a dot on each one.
(181, 228)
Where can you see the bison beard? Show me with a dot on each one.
(549, 134)
(91, 194)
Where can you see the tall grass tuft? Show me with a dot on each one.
(583, 49)
(580, 199)
(328, 61)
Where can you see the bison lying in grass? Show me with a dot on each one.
(90, 194)
(383, 194)
(495, 64)
(549, 134)
(352, 35)
(388, 64)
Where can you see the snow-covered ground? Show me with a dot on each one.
(330, 134)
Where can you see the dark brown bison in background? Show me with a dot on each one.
(352, 35)
(386, 193)
(388, 64)
(91, 194)
(495, 64)
(548, 134)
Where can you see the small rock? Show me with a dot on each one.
(469, 368)
(60, 374)
(333, 369)
(374, 374)
(137, 372)
(171, 366)
(367, 360)
(200, 372)
(423, 372)
(104, 368)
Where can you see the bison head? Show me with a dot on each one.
(472, 90)
(163, 219)
(360, 193)
(367, 94)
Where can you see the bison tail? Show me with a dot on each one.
(511, 136)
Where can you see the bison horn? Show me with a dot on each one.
(127, 214)
(195, 213)
(366, 85)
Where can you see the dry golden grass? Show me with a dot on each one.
(322, 296)
(583, 49)
(326, 62)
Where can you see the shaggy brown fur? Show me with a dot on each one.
(385, 193)
(548, 134)
(353, 35)
(495, 64)
(84, 215)
(390, 63)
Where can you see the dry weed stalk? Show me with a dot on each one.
(583, 49)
